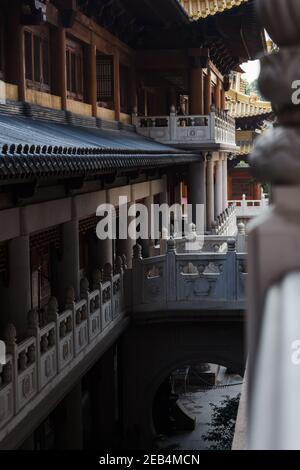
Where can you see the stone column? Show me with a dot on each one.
(125, 247)
(197, 186)
(164, 196)
(68, 421)
(69, 266)
(177, 193)
(219, 187)
(225, 182)
(210, 196)
(149, 243)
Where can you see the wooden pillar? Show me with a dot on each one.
(210, 193)
(134, 92)
(92, 78)
(223, 99)
(62, 66)
(196, 91)
(218, 95)
(117, 97)
(21, 63)
(207, 92)
(14, 48)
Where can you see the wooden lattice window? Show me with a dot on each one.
(105, 80)
(74, 62)
(37, 63)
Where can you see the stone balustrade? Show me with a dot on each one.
(215, 128)
(226, 223)
(249, 208)
(49, 352)
(189, 281)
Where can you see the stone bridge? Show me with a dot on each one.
(187, 308)
(195, 281)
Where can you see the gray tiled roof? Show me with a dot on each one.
(30, 147)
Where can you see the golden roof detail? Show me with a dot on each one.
(198, 9)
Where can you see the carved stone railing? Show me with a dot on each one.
(226, 223)
(215, 128)
(199, 281)
(7, 399)
(49, 351)
(249, 208)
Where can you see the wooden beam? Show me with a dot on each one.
(21, 63)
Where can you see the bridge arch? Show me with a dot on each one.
(152, 351)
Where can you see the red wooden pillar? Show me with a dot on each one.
(196, 91)
(207, 92)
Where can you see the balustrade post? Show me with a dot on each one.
(134, 117)
(171, 270)
(97, 279)
(212, 123)
(232, 272)
(34, 330)
(241, 238)
(173, 124)
(70, 305)
(137, 274)
(10, 337)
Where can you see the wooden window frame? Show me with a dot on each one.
(105, 101)
(44, 39)
(75, 53)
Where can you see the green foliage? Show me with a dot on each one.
(223, 424)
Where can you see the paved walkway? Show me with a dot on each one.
(197, 402)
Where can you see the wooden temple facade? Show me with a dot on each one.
(252, 116)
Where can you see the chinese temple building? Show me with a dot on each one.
(252, 117)
(102, 99)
